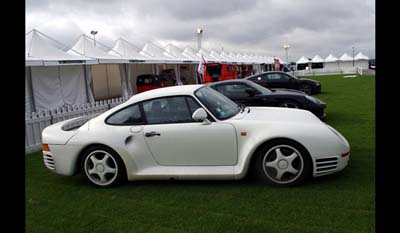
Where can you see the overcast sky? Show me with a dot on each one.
(310, 27)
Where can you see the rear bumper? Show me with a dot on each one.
(62, 159)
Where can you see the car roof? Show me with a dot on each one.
(165, 91)
(229, 81)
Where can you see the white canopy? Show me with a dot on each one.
(331, 58)
(345, 57)
(216, 55)
(157, 53)
(206, 54)
(85, 47)
(179, 54)
(303, 60)
(226, 57)
(190, 52)
(361, 56)
(129, 51)
(269, 60)
(317, 59)
(40, 52)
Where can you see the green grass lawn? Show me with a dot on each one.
(342, 202)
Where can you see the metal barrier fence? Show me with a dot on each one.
(36, 122)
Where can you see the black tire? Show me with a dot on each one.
(114, 161)
(306, 88)
(289, 104)
(287, 147)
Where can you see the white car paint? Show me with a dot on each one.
(193, 150)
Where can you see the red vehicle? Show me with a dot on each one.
(214, 72)
(146, 82)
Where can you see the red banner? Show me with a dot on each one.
(277, 65)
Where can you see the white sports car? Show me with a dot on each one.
(194, 132)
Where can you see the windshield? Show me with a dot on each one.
(219, 105)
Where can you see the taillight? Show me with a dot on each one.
(345, 154)
(45, 147)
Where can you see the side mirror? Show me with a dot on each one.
(251, 92)
(201, 115)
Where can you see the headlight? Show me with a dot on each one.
(317, 84)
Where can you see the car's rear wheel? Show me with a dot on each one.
(306, 88)
(103, 166)
(283, 163)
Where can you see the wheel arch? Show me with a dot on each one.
(251, 162)
(81, 153)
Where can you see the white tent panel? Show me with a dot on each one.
(73, 85)
(39, 51)
(46, 87)
(190, 52)
(331, 58)
(85, 47)
(303, 60)
(317, 59)
(361, 56)
(345, 57)
(127, 50)
(157, 53)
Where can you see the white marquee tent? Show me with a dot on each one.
(346, 63)
(54, 78)
(361, 61)
(331, 63)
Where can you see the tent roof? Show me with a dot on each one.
(127, 50)
(216, 55)
(226, 57)
(178, 53)
(345, 57)
(85, 47)
(206, 54)
(361, 56)
(157, 53)
(317, 59)
(331, 58)
(302, 60)
(39, 51)
(190, 52)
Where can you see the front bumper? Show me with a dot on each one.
(328, 165)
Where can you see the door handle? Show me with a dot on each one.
(151, 134)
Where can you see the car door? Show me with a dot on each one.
(274, 80)
(237, 92)
(174, 139)
(288, 81)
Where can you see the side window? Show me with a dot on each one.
(258, 78)
(167, 110)
(193, 105)
(234, 90)
(273, 77)
(128, 116)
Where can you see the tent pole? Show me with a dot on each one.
(32, 102)
(86, 86)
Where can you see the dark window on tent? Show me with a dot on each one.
(317, 65)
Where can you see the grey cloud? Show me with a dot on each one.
(309, 26)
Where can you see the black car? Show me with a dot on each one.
(276, 79)
(251, 94)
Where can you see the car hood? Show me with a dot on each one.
(276, 114)
(282, 91)
(308, 80)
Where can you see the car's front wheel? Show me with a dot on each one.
(283, 163)
(306, 88)
(103, 166)
(289, 104)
